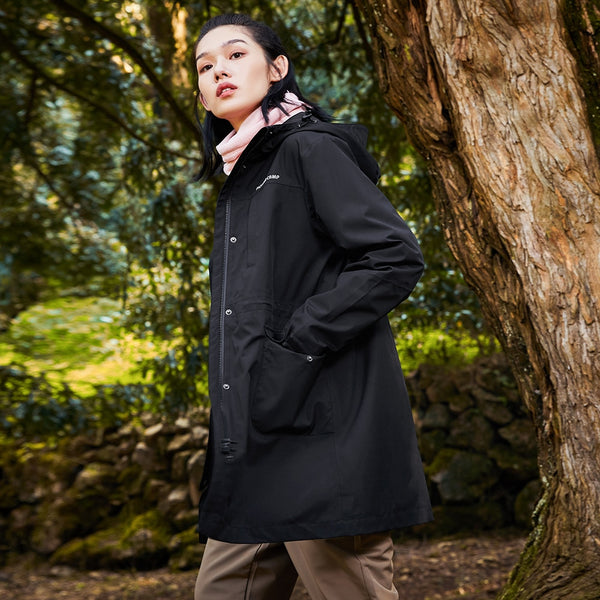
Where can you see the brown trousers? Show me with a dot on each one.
(347, 568)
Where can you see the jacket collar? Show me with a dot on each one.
(271, 137)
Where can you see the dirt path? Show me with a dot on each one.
(469, 568)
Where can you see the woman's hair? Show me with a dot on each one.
(215, 129)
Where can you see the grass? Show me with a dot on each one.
(77, 340)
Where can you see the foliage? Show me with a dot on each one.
(427, 345)
(96, 182)
(99, 148)
(82, 341)
(32, 407)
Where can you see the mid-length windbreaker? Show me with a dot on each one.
(311, 429)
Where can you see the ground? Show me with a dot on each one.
(469, 568)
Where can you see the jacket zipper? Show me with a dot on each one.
(227, 444)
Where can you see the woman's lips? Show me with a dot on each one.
(225, 89)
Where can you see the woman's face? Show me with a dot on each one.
(233, 73)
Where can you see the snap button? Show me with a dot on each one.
(233, 239)
(228, 312)
(309, 358)
(225, 386)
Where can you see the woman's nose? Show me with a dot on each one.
(220, 70)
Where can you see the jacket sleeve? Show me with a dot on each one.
(383, 259)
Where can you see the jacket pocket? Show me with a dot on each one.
(285, 396)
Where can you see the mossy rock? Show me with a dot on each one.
(29, 470)
(9, 498)
(520, 435)
(460, 402)
(494, 374)
(92, 552)
(71, 515)
(132, 480)
(18, 528)
(494, 407)
(185, 550)
(441, 390)
(90, 508)
(141, 544)
(188, 559)
(431, 442)
(437, 416)
(180, 540)
(152, 520)
(449, 520)
(462, 476)
(96, 477)
(521, 467)
(471, 430)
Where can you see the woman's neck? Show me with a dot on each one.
(235, 143)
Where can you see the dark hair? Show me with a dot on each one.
(215, 129)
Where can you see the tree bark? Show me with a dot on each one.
(492, 97)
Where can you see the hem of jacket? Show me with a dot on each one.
(212, 525)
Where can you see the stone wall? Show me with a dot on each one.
(114, 498)
(478, 445)
(126, 497)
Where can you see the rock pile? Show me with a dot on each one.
(478, 445)
(126, 497)
(110, 499)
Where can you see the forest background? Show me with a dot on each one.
(105, 235)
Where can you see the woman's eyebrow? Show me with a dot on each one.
(228, 43)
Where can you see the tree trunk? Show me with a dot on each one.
(491, 95)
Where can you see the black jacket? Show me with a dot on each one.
(311, 429)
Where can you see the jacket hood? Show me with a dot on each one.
(354, 135)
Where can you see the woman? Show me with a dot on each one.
(312, 456)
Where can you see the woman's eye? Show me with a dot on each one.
(237, 55)
(204, 68)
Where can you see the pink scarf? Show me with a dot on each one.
(234, 144)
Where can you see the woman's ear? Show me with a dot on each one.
(279, 69)
(203, 101)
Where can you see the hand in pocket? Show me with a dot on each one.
(282, 383)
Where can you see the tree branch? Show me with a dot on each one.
(91, 24)
(31, 98)
(30, 159)
(360, 26)
(40, 73)
(336, 37)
